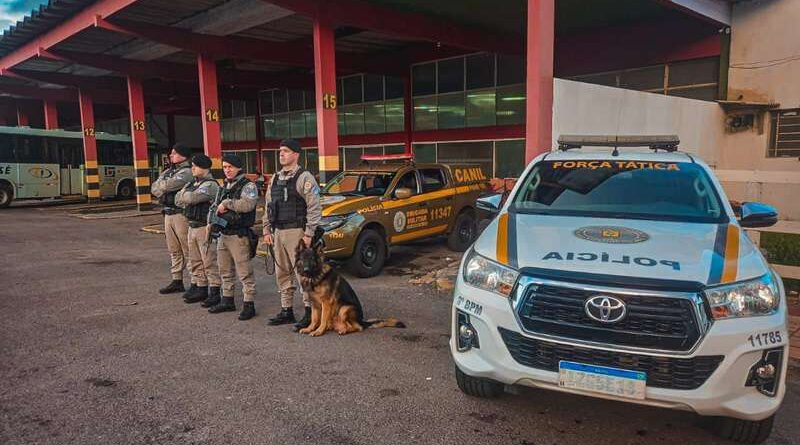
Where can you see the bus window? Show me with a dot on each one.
(30, 150)
(7, 142)
(114, 153)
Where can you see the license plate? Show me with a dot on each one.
(601, 379)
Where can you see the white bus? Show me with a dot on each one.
(39, 164)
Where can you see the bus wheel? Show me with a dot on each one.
(126, 190)
(6, 195)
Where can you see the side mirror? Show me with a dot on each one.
(756, 214)
(490, 203)
(402, 193)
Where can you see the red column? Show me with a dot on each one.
(408, 116)
(209, 103)
(50, 115)
(89, 146)
(325, 86)
(139, 139)
(539, 103)
(22, 117)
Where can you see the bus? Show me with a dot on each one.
(40, 164)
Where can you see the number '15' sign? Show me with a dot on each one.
(329, 101)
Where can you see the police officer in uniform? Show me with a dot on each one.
(176, 226)
(195, 198)
(237, 206)
(293, 212)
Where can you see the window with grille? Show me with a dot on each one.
(785, 134)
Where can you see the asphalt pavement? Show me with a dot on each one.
(90, 353)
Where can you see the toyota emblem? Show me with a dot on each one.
(605, 309)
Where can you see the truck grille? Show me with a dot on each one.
(662, 372)
(651, 322)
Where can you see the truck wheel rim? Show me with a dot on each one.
(465, 232)
(369, 253)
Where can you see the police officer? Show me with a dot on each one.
(237, 206)
(293, 212)
(195, 198)
(176, 226)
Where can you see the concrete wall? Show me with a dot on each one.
(764, 67)
(582, 108)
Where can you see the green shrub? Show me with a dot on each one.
(783, 248)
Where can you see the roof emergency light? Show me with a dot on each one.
(655, 142)
(394, 157)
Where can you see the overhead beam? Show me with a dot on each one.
(289, 53)
(362, 14)
(715, 11)
(228, 17)
(80, 21)
(62, 94)
(178, 71)
(119, 65)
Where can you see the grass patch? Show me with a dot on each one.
(783, 248)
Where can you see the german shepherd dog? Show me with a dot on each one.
(334, 304)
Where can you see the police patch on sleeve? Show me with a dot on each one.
(250, 191)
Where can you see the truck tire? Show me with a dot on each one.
(126, 189)
(478, 387)
(6, 195)
(465, 230)
(744, 431)
(369, 255)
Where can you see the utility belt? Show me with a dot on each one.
(289, 225)
(238, 231)
(171, 211)
(196, 224)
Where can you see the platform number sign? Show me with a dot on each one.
(88, 131)
(329, 101)
(212, 115)
(138, 125)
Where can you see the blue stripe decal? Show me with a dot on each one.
(718, 256)
(512, 240)
(602, 370)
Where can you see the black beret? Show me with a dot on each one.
(233, 159)
(201, 161)
(292, 144)
(182, 150)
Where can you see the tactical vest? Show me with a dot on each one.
(245, 220)
(289, 206)
(197, 214)
(168, 199)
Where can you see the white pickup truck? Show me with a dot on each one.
(625, 274)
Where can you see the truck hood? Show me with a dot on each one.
(341, 205)
(700, 253)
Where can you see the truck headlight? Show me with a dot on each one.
(486, 274)
(333, 222)
(747, 299)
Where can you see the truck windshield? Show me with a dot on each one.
(359, 184)
(621, 189)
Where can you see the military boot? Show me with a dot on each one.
(173, 287)
(213, 297)
(200, 294)
(305, 321)
(285, 316)
(226, 305)
(248, 311)
(189, 292)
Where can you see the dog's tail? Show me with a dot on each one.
(383, 323)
